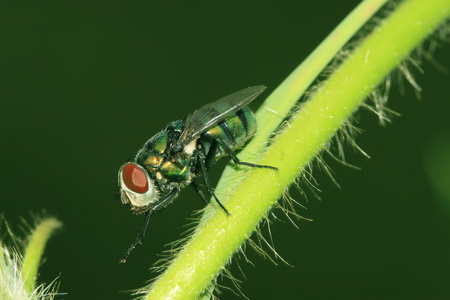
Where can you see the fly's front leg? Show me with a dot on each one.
(140, 237)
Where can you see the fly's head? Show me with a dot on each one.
(136, 187)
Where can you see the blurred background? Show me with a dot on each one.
(83, 84)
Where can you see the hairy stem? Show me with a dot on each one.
(218, 237)
(35, 249)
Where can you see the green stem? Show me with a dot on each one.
(35, 249)
(280, 102)
(217, 237)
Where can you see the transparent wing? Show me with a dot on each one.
(209, 115)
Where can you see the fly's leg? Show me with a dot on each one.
(208, 160)
(202, 159)
(211, 153)
(199, 191)
(238, 162)
(166, 201)
(140, 237)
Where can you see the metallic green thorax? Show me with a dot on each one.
(177, 169)
(161, 165)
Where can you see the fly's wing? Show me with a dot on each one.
(209, 115)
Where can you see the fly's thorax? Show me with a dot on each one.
(164, 141)
(177, 169)
(233, 131)
(152, 155)
(162, 163)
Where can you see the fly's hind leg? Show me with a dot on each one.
(238, 162)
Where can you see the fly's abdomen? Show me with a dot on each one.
(233, 131)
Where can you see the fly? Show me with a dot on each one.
(181, 153)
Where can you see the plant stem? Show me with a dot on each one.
(280, 102)
(35, 249)
(217, 237)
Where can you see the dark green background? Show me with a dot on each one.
(83, 84)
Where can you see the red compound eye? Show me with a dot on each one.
(135, 178)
